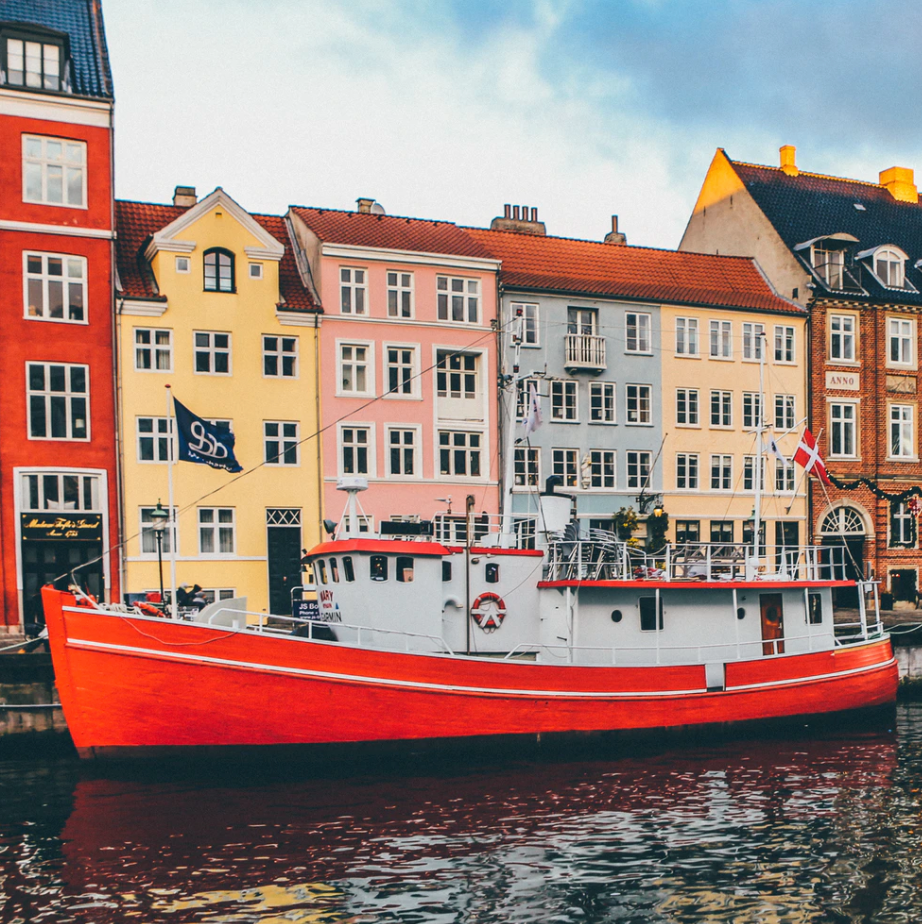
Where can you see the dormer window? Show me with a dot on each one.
(829, 265)
(33, 61)
(828, 260)
(888, 263)
(219, 270)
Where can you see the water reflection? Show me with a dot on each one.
(792, 830)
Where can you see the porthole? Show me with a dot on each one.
(616, 615)
(741, 613)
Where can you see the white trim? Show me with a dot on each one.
(370, 380)
(358, 253)
(142, 308)
(429, 325)
(415, 382)
(264, 253)
(184, 247)
(295, 318)
(67, 230)
(65, 109)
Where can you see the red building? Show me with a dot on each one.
(58, 445)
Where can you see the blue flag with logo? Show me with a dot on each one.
(202, 442)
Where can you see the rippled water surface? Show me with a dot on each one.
(783, 829)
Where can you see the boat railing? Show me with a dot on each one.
(323, 630)
(604, 557)
(729, 651)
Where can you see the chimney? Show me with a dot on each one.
(898, 181)
(184, 196)
(788, 163)
(615, 236)
(522, 219)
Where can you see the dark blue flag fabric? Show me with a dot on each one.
(202, 442)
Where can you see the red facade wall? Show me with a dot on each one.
(25, 340)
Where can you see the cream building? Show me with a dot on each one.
(210, 302)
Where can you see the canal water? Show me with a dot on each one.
(806, 827)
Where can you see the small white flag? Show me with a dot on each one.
(776, 452)
(533, 414)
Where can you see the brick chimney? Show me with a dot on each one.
(615, 236)
(521, 219)
(184, 196)
(788, 163)
(898, 181)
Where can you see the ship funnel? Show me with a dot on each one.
(555, 508)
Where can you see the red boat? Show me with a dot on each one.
(428, 634)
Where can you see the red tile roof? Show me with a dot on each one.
(135, 223)
(621, 271)
(363, 229)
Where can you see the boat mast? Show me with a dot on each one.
(757, 474)
(510, 385)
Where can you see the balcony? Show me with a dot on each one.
(585, 353)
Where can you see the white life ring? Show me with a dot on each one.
(489, 611)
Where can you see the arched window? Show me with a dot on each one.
(888, 267)
(843, 521)
(219, 270)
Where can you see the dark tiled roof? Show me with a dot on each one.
(82, 21)
(810, 205)
(363, 229)
(136, 222)
(620, 271)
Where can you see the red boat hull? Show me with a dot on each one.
(131, 683)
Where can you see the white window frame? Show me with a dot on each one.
(45, 279)
(601, 462)
(563, 409)
(785, 412)
(565, 462)
(688, 406)
(153, 348)
(526, 468)
(49, 53)
(370, 447)
(414, 380)
(469, 292)
(785, 344)
(43, 162)
(95, 480)
(417, 432)
(901, 332)
(724, 466)
(901, 432)
(69, 397)
(644, 416)
(890, 257)
(635, 460)
(829, 265)
(752, 409)
(146, 530)
(749, 470)
(753, 341)
(369, 364)
(468, 449)
(398, 287)
(287, 432)
(687, 471)
(531, 319)
(352, 284)
(606, 392)
(726, 405)
(785, 477)
(215, 527)
(720, 340)
(847, 336)
(212, 351)
(183, 265)
(839, 425)
(160, 431)
(642, 337)
(686, 337)
(279, 354)
(255, 271)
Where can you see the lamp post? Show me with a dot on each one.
(158, 519)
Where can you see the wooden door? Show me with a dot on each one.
(772, 624)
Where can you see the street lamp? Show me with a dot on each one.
(159, 518)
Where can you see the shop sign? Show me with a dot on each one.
(44, 527)
(846, 381)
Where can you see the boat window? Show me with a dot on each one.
(816, 609)
(446, 570)
(741, 612)
(348, 570)
(616, 615)
(322, 570)
(404, 569)
(491, 573)
(379, 567)
(334, 570)
(648, 614)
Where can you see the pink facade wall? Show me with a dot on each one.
(422, 413)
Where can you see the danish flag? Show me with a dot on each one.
(808, 455)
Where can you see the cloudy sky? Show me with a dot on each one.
(450, 108)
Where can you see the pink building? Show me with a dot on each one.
(408, 361)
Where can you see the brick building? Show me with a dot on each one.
(850, 252)
(58, 482)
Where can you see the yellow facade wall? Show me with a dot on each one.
(735, 375)
(246, 397)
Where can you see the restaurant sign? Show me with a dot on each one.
(83, 527)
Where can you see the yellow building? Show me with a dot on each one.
(711, 387)
(210, 301)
